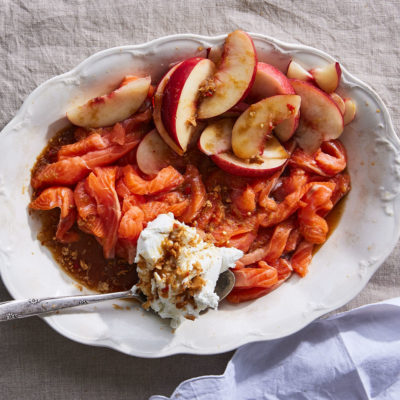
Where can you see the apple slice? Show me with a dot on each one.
(113, 107)
(327, 78)
(320, 117)
(158, 97)
(234, 77)
(272, 159)
(339, 102)
(153, 154)
(270, 81)
(296, 71)
(256, 123)
(178, 111)
(350, 111)
(216, 137)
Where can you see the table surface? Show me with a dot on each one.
(41, 39)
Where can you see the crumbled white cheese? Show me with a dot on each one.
(212, 260)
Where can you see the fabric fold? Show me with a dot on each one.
(353, 355)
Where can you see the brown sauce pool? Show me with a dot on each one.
(82, 260)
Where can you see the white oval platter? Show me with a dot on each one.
(367, 232)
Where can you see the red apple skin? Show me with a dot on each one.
(268, 81)
(236, 110)
(228, 162)
(172, 94)
(157, 103)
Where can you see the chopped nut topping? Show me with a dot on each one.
(169, 275)
(207, 88)
(84, 265)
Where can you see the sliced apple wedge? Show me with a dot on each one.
(270, 81)
(349, 111)
(113, 107)
(253, 127)
(327, 78)
(216, 137)
(234, 77)
(320, 117)
(153, 154)
(158, 97)
(273, 157)
(296, 71)
(339, 102)
(178, 111)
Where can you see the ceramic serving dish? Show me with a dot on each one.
(366, 234)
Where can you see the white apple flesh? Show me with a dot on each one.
(153, 154)
(320, 117)
(272, 159)
(216, 137)
(158, 97)
(253, 127)
(269, 81)
(327, 78)
(111, 108)
(180, 97)
(350, 111)
(234, 77)
(296, 71)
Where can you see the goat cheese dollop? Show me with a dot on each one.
(177, 270)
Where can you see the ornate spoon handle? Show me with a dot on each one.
(16, 309)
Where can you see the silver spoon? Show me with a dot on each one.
(16, 309)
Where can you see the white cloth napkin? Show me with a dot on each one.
(350, 356)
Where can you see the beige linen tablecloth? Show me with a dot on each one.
(41, 39)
